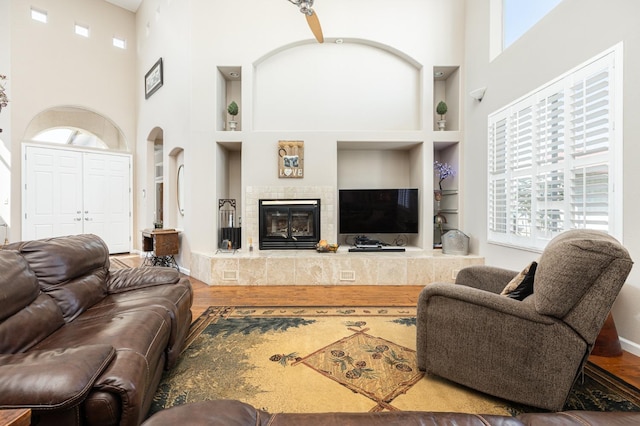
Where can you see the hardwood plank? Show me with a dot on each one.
(17, 417)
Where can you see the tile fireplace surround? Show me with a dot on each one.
(307, 267)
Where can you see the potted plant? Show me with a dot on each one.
(441, 109)
(233, 110)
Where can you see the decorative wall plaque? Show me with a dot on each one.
(291, 159)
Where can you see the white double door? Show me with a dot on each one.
(69, 192)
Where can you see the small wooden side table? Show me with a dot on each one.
(161, 245)
(17, 417)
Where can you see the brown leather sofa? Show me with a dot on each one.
(80, 344)
(228, 412)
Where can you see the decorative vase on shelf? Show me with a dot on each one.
(437, 194)
(233, 125)
(442, 124)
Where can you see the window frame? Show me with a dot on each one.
(500, 188)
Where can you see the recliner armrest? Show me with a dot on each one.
(122, 280)
(488, 278)
(486, 299)
(53, 378)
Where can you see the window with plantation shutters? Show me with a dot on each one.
(554, 158)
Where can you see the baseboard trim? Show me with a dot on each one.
(629, 346)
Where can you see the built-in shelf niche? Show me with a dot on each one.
(383, 164)
(229, 89)
(448, 204)
(446, 87)
(229, 177)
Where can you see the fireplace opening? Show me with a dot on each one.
(289, 224)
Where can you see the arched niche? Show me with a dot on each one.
(178, 188)
(343, 84)
(155, 168)
(81, 118)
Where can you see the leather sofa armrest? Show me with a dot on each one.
(51, 379)
(122, 280)
(581, 418)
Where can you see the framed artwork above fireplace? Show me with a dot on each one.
(290, 159)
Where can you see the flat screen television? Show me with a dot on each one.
(378, 211)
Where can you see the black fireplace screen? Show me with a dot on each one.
(289, 224)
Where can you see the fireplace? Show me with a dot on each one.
(289, 224)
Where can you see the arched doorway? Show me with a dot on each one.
(77, 178)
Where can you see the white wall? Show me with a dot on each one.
(52, 66)
(5, 120)
(575, 31)
(377, 86)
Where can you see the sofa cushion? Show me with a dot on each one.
(58, 260)
(20, 285)
(569, 266)
(30, 325)
(72, 270)
(79, 294)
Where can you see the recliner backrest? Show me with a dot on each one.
(579, 276)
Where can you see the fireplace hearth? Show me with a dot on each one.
(289, 224)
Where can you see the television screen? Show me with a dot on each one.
(378, 211)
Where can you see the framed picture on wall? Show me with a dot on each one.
(153, 79)
(290, 159)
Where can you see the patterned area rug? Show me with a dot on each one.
(336, 359)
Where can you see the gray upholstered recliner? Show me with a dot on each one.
(528, 351)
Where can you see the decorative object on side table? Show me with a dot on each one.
(233, 110)
(441, 110)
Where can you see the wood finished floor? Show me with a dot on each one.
(627, 366)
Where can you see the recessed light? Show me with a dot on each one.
(339, 41)
(234, 74)
(438, 74)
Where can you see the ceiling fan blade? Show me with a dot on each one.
(314, 24)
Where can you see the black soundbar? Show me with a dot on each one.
(365, 249)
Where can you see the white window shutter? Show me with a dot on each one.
(551, 158)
